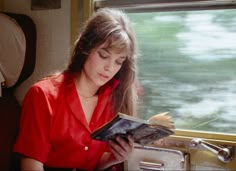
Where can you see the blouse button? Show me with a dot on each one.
(86, 148)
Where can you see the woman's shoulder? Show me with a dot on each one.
(52, 83)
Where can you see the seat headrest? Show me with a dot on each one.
(17, 47)
(12, 48)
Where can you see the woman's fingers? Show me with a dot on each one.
(121, 148)
(131, 141)
(117, 150)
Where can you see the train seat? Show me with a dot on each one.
(17, 61)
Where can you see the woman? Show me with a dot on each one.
(61, 111)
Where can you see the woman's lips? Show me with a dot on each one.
(104, 76)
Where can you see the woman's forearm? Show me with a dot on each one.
(28, 164)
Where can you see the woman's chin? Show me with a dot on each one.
(101, 83)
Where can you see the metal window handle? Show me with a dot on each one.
(224, 154)
(151, 166)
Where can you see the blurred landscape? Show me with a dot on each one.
(187, 66)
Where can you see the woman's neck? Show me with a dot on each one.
(84, 86)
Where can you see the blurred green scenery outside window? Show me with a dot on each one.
(187, 66)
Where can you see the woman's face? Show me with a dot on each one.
(102, 64)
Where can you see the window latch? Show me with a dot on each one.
(224, 154)
(146, 166)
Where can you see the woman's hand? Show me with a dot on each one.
(120, 151)
(121, 148)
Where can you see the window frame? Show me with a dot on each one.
(175, 5)
(165, 5)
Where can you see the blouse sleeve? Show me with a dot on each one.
(33, 138)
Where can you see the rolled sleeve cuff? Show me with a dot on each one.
(37, 150)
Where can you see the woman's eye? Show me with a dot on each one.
(102, 55)
(119, 62)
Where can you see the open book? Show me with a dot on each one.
(143, 131)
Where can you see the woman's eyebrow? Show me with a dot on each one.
(109, 52)
(105, 49)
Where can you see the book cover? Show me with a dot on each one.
(142, 131)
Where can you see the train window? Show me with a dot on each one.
(187, 67)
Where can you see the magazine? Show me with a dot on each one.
(143, 131)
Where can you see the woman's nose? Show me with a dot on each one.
(109, 66)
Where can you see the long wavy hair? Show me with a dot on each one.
(112, 28)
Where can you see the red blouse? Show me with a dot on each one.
(53, 127)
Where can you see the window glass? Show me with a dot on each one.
(187, 66)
